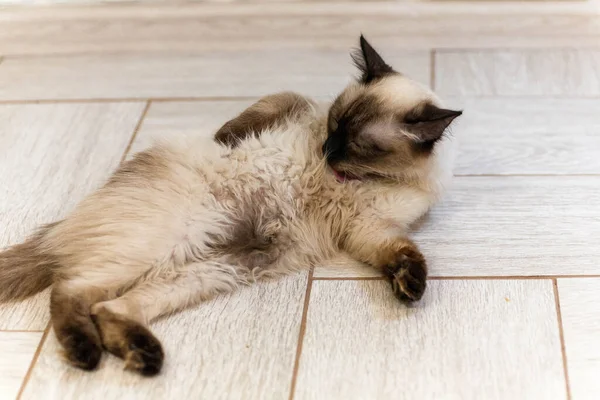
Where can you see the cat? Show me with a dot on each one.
(282, 187)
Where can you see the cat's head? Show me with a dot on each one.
(385, 125)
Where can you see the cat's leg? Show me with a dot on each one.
(387, 249)
(266, 113)
(70, 306)
(122, 322)
(75, 290)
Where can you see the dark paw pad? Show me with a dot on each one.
(82, 350)
(145, 353)
(408, 276)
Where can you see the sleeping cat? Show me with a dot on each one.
(284, 186)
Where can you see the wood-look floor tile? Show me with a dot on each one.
(220, 74)
(238, 346)
(245, 26)
(465, 340)
(16, 353)
(28, 315)
(548, 72)
(527, 136)
(580, 309)
(509, 226)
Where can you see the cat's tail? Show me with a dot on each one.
(26, 268)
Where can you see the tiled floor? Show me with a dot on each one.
(512, 310)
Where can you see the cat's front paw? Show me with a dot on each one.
(408, 275)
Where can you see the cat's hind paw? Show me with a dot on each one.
(145, 354)
(129, 340)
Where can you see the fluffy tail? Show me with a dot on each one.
(26, 269)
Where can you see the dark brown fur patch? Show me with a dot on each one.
(428, 123)
(346, 125)
(407, 271)
(370, 63)
(74, 329)
(365, 141)
(254, 237)
(402, 263)
(26, 268)
(268, 112)
(369, 140)
(131, 341)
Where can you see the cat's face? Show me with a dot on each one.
(383, 125)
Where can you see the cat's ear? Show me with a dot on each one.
(369, 62)
(429, 122)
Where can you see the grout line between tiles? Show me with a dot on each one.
(301, 334)
(242, 98)
(199, 52)
(562, 338)
(21, 331)
(517, 175)
(341, 47)
(131, 99)
(456, 278)
(505, 49)
(348, 278)
(136, 130)
(497, 96)
(167, 53)
(36, 355)
(432, 69)
(516, 277)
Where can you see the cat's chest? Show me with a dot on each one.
(329, 208)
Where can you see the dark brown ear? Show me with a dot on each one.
(369, 62)
(429, 122)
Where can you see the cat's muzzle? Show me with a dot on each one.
(334, 149)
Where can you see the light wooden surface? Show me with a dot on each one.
(17, 350)
(580, 305)
(508, 226)
(215, 74)
(528, 136)
(31, 314)
(294, 25)
(526, 73)
(239, 346)
(51, 156)
(466, 340)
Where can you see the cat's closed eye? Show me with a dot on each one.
(333, 124)
(369, 150)
(354, 146)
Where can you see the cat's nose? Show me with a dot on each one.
(333, 149)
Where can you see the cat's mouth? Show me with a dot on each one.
(342, 176)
